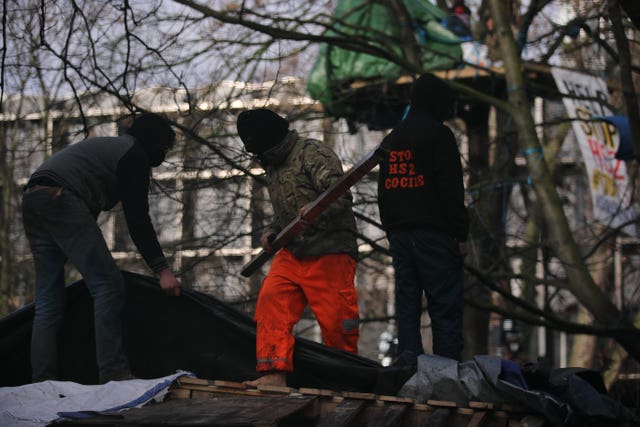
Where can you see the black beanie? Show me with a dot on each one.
(155, 135)
(261, 129)
(152, 130)
(431, 94)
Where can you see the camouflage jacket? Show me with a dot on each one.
(298, 171)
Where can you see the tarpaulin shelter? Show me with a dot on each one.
(336, 68)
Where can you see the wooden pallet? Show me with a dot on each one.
(318, 407)
(201, 402)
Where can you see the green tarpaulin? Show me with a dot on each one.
(336, 67)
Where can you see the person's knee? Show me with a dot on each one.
(109, 282)
(48, 311)
(47, 318)
(269, 306)
(108, 294)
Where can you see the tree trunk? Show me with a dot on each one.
(580, 282)
(626, 78)
(583, 350)
(5, 221)
(476, 322)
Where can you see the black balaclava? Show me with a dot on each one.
(261, 129)
(432, 95)
(154, 134)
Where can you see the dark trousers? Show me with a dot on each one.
(59, 226)
(428, 261)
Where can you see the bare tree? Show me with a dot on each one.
(182, 56)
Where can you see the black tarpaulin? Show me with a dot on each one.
(195, 332)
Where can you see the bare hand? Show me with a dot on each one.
(302, 223)
(462, 248)
(303, 210)
(266, 239)
(169, 283)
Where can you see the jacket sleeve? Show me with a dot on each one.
(450, 185)
(133, 185)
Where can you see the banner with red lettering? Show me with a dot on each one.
(586, 98)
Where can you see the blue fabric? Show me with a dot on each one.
(428, 261)
(512, 374)
(457, 27)
(625, 148)
(135, 402)
(61, 227)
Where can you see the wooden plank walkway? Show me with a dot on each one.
(201, 402)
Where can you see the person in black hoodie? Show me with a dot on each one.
(60, 205)
(421, 203)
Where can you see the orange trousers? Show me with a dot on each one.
(326, 284)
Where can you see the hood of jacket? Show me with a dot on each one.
(431, 95)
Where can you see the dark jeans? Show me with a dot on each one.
(60, 227)
(428, 261)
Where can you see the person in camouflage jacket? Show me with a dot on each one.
(318, 266)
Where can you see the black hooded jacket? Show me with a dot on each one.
(420, 182)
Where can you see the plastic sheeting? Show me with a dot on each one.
(565, 397)
(39, 404)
